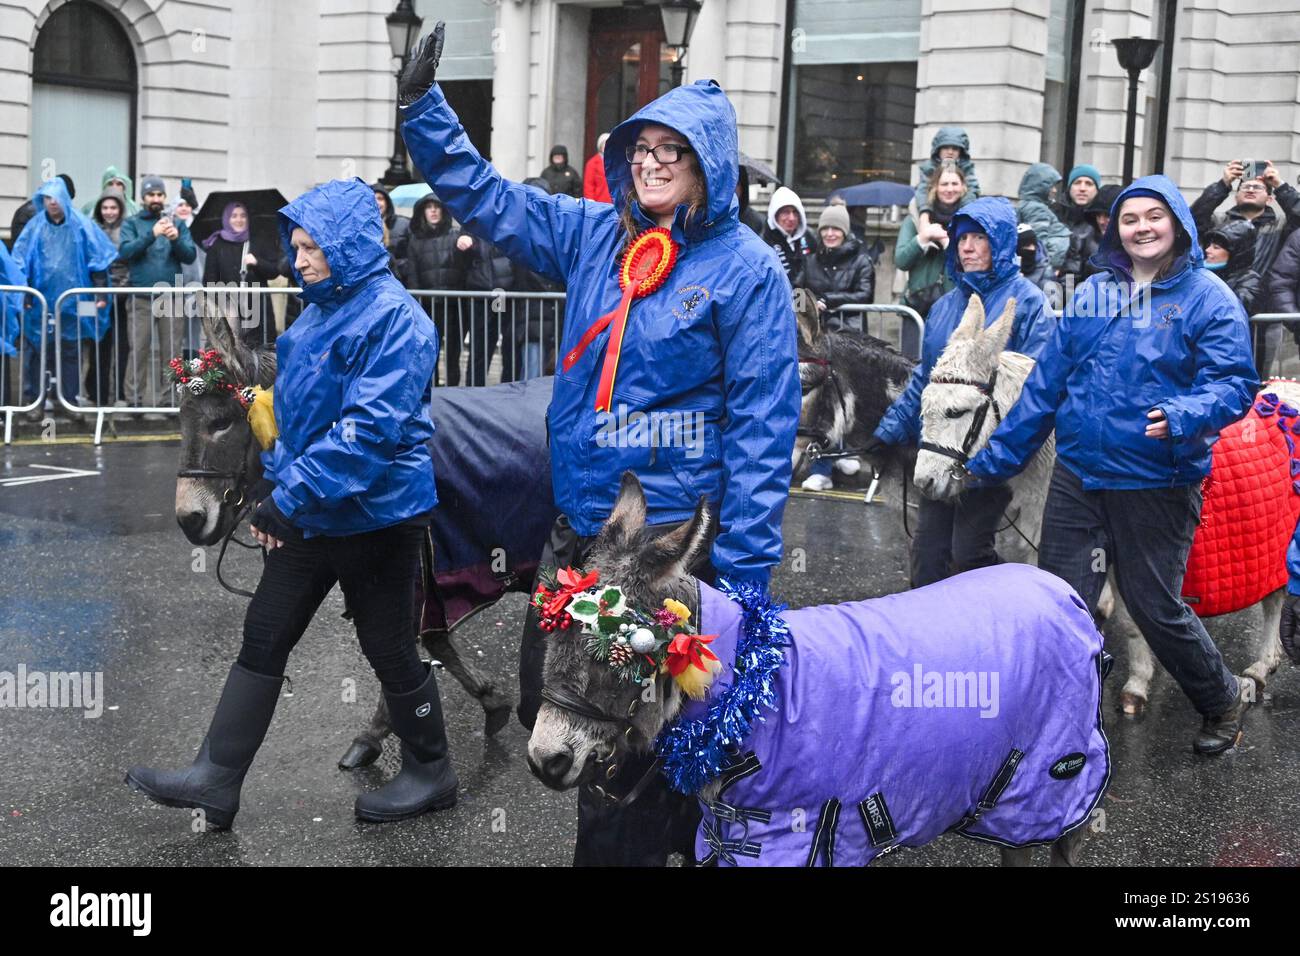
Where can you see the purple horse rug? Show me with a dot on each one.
(971, 705)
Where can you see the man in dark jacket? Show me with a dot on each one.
(156, 247)
(561, 178)
(434, 262)
(1284, 281)
(1252, 205)
(399, 229)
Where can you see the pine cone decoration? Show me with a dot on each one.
(620, 655)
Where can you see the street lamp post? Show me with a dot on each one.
(403, 30)
(679, 21)
(1135, 55)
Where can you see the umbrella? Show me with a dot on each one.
(262, 205)
(759, 170)
(405, 197)
(879, 192)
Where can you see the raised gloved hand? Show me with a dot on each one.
(1289, 627)
(269, 519)
(417, 78)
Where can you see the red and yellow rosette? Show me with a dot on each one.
(646, 265)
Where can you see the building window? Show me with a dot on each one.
(1062, 70)
(852, 93)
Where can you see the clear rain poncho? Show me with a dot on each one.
(56, 258)
(11, 303)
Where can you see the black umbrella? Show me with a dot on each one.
(262, 205)
(759, 170)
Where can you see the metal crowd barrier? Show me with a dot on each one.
(906, 335)
(15, 370)
(1276, 344)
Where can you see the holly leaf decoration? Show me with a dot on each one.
(609, 624)
(585, 611)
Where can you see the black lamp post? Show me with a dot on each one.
(679, 21)
(1135, 55)
(403, 30)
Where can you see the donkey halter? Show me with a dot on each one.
(977, 422)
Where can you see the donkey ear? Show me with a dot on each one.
(222, 338)
(267, 364)
(805, 310)
(999, 333)
(672, 556)
(972, 322)
(628, 514)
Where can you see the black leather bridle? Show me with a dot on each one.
(962, 456)
(238, 490)
(819, 447)
(575, 703)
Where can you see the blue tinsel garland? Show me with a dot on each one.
(695, 751)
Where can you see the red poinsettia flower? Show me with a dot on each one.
(686, 649)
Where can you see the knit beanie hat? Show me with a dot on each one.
(836, 217)
(1083, 169)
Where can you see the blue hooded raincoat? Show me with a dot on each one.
(354, 374)
(996, 218)
(11, 303)
(715, 346)
(1112, 360)
(58, 258)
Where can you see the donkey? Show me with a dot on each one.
(951, 419)
(220, 461)
(801, 718)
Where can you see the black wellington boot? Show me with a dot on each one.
(1222, 733)
(212, 782)
(427, 780)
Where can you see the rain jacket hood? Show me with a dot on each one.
(353, 379)
(1238, 237)
(1110, 252)
(782, 197)
(950, 136)
(702, 113)
(1038, 181)
(342, 218)
(558, 150)
(111, 173)
(996, 218)
(422, 228)
(56, 258)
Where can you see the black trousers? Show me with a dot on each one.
(377, 571)
(956, 537)
(659, 821)
(1147, 534)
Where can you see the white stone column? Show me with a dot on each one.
(510, 47)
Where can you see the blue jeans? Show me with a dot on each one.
(1146, 534)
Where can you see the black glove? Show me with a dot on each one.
(417, 78)
(874, 446)
(269, 519)
(1289, 627)
(259, 491)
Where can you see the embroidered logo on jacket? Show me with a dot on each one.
(692, 297)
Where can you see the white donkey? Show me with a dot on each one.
(972, 387)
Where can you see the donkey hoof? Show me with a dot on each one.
(495, 719)
(1131, 704)
(362, 753)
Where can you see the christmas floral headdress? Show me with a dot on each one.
(635, 643)
(207, 373)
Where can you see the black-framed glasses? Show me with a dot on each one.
(665, 154)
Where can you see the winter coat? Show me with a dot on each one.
(119, 272)
(154, 260)
(718, 338)
(790, 250)
(432, 259)
(901, 424)
(593, 181)
(1238, 237)
(110, 174)
(1034, 209)
(842, 276)
(873, 746)
(1270, 231)
(399, 231)
(563, 179)
(1284, 279)
(55, 258)
(1083, 238)
(225, 265)
(947, 136)
(1187, 354)
(353, 379)
(489, 268)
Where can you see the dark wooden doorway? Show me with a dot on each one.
(627, 67)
